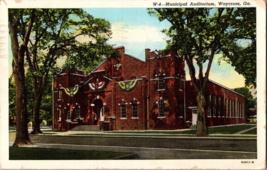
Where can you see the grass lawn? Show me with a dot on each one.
(12, 128)
(59, 154)
(222, 130)
(251, 132)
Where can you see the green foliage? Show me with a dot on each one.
(46, 103)
(250, 101)
(202, 32)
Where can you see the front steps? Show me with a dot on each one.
(86, 128)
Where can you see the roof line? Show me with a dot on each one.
(135, 58)
(222, 86)
(97, 67)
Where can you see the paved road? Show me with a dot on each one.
(155, 147)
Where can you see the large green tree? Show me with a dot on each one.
(198, 34)
(44, 36)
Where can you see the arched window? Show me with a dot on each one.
(123, 111)
(77, 112)
(161, 108)
(135, 110)
(68, 114)
(161, 83)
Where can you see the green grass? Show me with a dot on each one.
(254, 123)
(222, 130)
(252, 132)
(59, 154)
(12, 128)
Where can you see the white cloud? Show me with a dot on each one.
(121, 32)
(136, 38)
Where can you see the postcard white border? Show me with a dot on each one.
(259, 163)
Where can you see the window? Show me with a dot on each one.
(226, 108)
(209, 110)
(59, 94)
(68, 114)
(181, 110)
(161, 108)
(233, 109)
(219, 105)
(230, 110)
(123, 111)
(214, 106)
(59, 114)
(135, 111)
(133, 77)
(161, 82)
(77, 111)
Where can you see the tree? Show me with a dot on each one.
(45, 35)
(198, 34)
(55, 34)
(18, 51)
(250, 101)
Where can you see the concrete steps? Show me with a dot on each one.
(86, 128)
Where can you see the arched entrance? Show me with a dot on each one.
(97, 109)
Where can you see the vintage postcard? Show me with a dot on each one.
(133, 84)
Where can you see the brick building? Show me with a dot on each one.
(130, 94)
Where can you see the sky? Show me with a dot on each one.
(137, 30)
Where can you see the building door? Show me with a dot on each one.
(194, 116)
(98, 106)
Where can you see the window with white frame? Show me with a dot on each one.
(161, 108)
(214, 106)
(135, 110)
(77, 112)
(68, 114)
(209, 109)
(123, 111)
(161, 82)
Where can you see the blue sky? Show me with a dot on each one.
(136, 30)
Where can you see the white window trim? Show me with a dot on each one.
(125, 111)
(161, 117)
(134, 117)
(68, 120)
(124, 118)
(161, 89)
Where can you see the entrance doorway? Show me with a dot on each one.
(194, 114)
(97, 109)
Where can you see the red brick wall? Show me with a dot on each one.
(146, 93)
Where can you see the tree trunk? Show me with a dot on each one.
(22, 136)
(36, 115)
(201, 117)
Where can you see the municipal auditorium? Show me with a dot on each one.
(127, 93)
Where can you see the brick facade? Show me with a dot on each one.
(131, 94)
